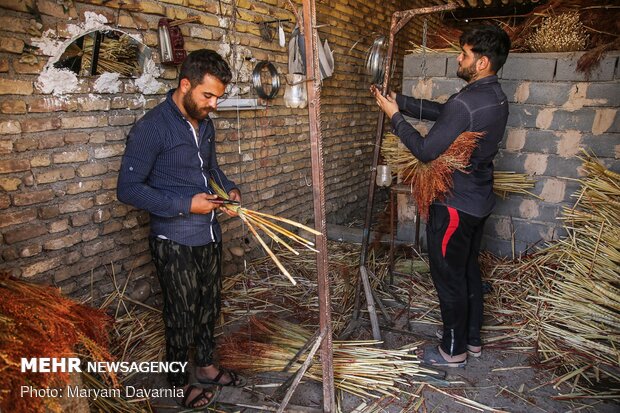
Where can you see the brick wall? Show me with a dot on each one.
(554, 111)
(60, 222)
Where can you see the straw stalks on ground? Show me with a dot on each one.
(360, 367)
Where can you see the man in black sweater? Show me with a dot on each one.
(455, 225)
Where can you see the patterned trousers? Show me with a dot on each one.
(191, 282)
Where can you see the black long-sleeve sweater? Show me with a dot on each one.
(480, 106)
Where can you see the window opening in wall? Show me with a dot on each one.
(100, 51)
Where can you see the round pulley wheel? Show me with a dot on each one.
(258, 83)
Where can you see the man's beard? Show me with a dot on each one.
(192, 109)
(467, 73)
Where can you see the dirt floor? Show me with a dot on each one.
(500, 380)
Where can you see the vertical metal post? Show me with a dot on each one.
(313, 75)
(399, 20)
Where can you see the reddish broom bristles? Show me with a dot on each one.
(430, 181)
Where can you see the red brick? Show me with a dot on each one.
(49, 212)
(30, 198)
(91, 169)
(51, 141)
(50, 104)
(41, 266)
(58, 226)
(14, 165)
(55, 175)
(52, 8)
(11, 45)
(40, 161)
(5, 201)
(26, 144)
(110, 227)
(105, 198)
(27, 68)
(70, 157)
(10, 184)
(62, 242)
(98, 247)
(24, 233)
(40, 124)
(78, 137)
(4, 65)
(83, 186)
(15, 87)
(109, 151)
(13, 107)
(30, 250)
(10, 127)
(6, 146)
(90, 234)
(79, 220)
(76, 205)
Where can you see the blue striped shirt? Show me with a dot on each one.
(166, 163)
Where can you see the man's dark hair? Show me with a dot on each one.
(201, 62)
(489, 41)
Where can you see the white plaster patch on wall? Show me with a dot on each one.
(108, 83)
(544, 118)
(48, 44)
(535, 164)
(57, 81)
(148, 83)
(515, 140)
(522, 92)
(223, 49)
(603, 120)
(528, 208)
(503, 228)
(92, 22)
(577, 98)
(423, 89)
(554, 190)
(569, 143)
(223, 22)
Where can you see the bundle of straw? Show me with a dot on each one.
(429, 181)
(558, 33)
(255, 219)
(115, 55)
(505, 182)
(360, 368)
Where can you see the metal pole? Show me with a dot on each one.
(399, 20)
(313, 75)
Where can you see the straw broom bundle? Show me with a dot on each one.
(505, 182)
(429, 181)
(258, 220)
(359, 368)
(37, 321)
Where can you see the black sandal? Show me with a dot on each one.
(236, 380)
(204, 394)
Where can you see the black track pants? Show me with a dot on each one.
(453, 247)
(191, 282)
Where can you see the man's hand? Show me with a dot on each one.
(234, 195)
(201, 204)
(387, 104)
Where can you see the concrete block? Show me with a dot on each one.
(444, 88)
(529, 66)
(452, 67)
(502, 248)
(510, 88)
(510, 161)
(523, 116)
(603, 145)
(527, 207)
(540, 141)
(603, 94)
(563, 167)
(581, 120)
(567, 68)
(548, 94)
(435, 65)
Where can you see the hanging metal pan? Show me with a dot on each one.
(375, 61)
(258, 83)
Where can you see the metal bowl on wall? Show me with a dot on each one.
(375, 60)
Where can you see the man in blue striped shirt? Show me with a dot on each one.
(169, 158)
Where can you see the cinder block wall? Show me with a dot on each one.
(60, 221)
(554, 111)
